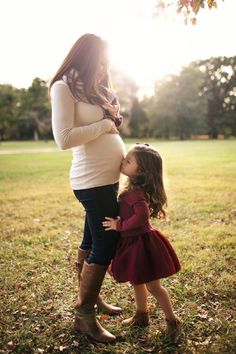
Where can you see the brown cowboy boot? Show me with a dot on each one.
(174, 329)
(81, 257)
(85, 320)
(101, 304)
(105, 307)
(140, 318)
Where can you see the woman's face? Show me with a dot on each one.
(103, 66)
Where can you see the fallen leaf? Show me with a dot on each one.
(20, 286)
(192, 305)
(103, 316)
(75, 343)
(11, 345)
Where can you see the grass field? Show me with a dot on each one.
(41, 224)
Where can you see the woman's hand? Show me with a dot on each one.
(113, 129)
(109, 223)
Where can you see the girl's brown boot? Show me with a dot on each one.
(140, 318)
(174, 329)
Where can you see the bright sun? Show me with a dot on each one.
(143, 47)
(146, 53)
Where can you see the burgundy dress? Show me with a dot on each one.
(143, 253)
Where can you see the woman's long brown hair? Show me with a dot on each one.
(84, 57)
(149, 178)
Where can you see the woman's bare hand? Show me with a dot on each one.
(113, 129)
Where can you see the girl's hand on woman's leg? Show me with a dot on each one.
(109, 223)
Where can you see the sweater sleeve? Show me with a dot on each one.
(140, 216)
(65, 134)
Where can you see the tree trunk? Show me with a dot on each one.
(36, 135)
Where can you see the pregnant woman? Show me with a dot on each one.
(85, 117)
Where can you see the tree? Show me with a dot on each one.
(200, 100)
(191, 108)
(34, 112)
(188, 8)
(127, 90)
(138, 120)
(161, 108)
(8, 111)
(176, 109)
(219, 89)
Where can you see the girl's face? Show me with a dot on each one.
(129, 166)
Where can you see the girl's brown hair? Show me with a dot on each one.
(84, 58)
(149, 178)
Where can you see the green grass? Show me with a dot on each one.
(42, 223)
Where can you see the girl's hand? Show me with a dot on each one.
(109, 223)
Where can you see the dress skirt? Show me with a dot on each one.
(144, 257)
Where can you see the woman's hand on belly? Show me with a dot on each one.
(113, 129)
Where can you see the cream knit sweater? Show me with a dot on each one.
(97, 154)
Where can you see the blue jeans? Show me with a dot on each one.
(99, 202)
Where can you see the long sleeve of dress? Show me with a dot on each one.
(65, 133)
(140, 215)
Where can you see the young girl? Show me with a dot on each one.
(144, 254)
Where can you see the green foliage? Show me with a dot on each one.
(25, 113)
(8, 111)
(42, 223)
(219, 89)
(176, 108)
(34, 112)
(200, 100)
(126, 89)
(138, 120)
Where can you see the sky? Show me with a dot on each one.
(36, 35)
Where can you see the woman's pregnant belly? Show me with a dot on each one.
(98, 162)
